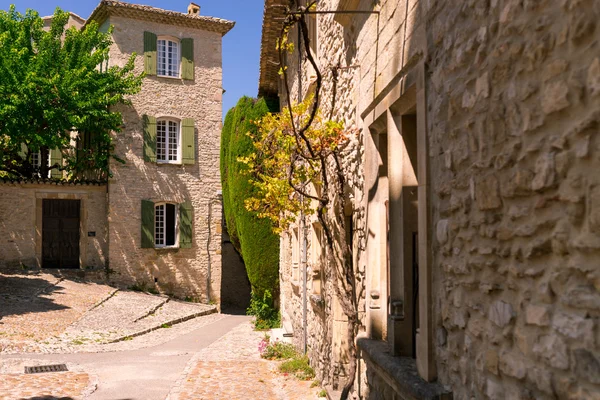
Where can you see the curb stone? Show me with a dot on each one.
(175, 321)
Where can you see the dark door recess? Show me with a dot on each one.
(60, 233)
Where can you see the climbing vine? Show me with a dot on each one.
(301, 149)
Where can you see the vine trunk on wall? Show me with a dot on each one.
(301, 150)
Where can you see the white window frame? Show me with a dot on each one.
(164, 227)
(168, 146)
(160, 54)
(36, 161)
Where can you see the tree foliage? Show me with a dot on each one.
(250, 234)
(283, 165)
(56, 88)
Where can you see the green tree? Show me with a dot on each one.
(57, 93)
(252, 236)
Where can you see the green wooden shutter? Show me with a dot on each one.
(188, 150)
(186, 218)
(149, 138)
(147, 224)
(56, 158)
(150, 53)
(187, 59)
(23, 152)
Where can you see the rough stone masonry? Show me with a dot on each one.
(509, 92)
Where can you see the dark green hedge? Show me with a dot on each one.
(253, 237)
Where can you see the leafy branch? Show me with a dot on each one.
(57, 93)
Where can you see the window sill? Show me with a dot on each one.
(169, 163)
(169, 77)
(167, 248)
(400, 373)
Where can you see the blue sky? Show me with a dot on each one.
(241, 46)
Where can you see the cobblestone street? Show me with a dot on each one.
(231, 368)
(119, 344)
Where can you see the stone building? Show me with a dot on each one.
(156, 223)
(473, 201)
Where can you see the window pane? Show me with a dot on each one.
(162, 58)
(161, 140)
(168, 58)
(170, 225)
(159, 222)
(173, 136)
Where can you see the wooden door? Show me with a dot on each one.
(60, 233)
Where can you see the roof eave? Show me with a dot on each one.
(107, 8)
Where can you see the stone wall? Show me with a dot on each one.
(21, 223)
(193, 272)
(513, 104)
(511, 92)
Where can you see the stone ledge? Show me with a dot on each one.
(400, 373)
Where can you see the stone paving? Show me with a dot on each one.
(56, 385)
(14, 384)
(43, 313)
(36, 307)
(231, 368)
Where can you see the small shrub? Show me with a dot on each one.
(278, 351)
(298, 366)
(267, 316)
(322, 393)
(137, 287)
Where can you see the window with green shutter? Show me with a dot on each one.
(149, 138)
(150, 53)
(56, 158)
(188, 148)
(160, 221)
(186, 218)
(147, 224)
(187, 59)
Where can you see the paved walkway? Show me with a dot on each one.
(128, 345)
(43, 313)
(211, 357)
(231, 368)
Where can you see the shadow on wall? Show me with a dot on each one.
(178, 272)
(20, 295)
(235, 286)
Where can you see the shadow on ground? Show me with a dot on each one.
(26, 293)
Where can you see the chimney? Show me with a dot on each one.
(194, 9)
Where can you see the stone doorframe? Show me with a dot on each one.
(59, 194)
(405, 91)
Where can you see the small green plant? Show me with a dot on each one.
(137, 287)
(267, 316)
(153, 290)
(299, 366)
(165, 326)
(279, 351)
(127, 338)
(316, 383)
(322, 393)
